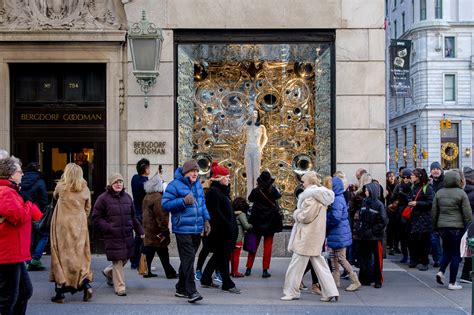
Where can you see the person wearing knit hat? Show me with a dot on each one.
(184, 199)
(221, 240)
(114, 214)
(437, 182)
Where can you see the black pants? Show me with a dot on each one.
(466, 269)
(202, 254)
(137, 249)
(314, 277)
(420, 244)
(164, 256)
(188, 245)
(367, 250)
(219, 261)
(404, 236)
(393, 237)
(15, 289)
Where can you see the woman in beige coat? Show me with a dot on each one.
(307, 240)
(70, 247)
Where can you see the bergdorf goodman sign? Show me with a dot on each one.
(149, 147)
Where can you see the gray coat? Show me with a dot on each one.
(451, 208)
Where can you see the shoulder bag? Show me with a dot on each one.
(406, 213)
(44, 224)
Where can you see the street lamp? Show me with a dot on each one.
(145, 40)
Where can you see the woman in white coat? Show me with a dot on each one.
(307, 240)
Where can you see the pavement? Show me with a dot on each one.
(405, 291)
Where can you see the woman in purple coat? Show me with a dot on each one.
(114, 214)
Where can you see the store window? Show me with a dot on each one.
(450, 87)
(438, 9)
(422, 10)
(221, 86)
(450, 147)
(450, 47)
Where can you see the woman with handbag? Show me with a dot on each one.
(451, 215)
(265, 218)
(16, 217)
(420, 219)
(157, 232)
(114, 214)
(307, 239)
(70, 246)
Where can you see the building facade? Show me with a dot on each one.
(314, 71)
(441, 73)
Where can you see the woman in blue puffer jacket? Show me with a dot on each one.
(339, 236)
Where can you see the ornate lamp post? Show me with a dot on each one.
(145, 40)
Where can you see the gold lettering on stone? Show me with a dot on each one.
(149, 147)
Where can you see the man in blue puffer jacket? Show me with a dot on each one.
(339, 236)
(184, 199)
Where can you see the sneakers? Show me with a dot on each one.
(424, 268)
(180, 294)
(198, 275)
(465, 279)
(440, 277)
(217, 277)
(454, 286)
(234, 290)
(194, 297)
(35, 265)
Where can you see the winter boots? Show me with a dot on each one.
(355, 284)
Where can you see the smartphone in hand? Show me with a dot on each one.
(160, 169)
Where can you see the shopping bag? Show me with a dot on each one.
(142, 266)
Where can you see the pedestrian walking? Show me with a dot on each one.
(138, 192)
(469, 189)
(223, 235)
(241, 208)
(371, 227)
(155, 224)
(33, 188)
(307, 239)
(451, 214)
(114, 214)
(70, 246)
(339, 236)
(437, 181)
(184, 199)
(265, 218)
(420, 221)
(16, 217)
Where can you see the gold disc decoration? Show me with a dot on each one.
(449, 151)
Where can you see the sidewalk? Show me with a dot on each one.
(405, 291)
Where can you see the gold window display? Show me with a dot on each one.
(222, 86)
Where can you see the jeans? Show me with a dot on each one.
(188, 245)
(15, 289)
(451, 254)
(436, 251)
(42, 242)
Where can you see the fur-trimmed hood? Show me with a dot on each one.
(321, 194)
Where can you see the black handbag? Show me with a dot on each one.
(44, 223)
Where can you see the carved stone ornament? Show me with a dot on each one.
(62, 15)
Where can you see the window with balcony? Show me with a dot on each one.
(449, 47)
(450, 87)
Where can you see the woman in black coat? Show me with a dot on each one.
(114, 214)
(420, 221)
(221, 240)
(265, 218)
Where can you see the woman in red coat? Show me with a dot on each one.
(15, 240)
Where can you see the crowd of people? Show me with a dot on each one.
(337, 228)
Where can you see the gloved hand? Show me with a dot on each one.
(189, 199)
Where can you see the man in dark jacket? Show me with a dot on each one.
(437, 182)
(184, 199)
(138, 193)
(373, 220)
(33, 188)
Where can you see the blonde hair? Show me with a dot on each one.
(364, 180)
(312, 177)
(342, 176)
(72, 177)
(327, 182)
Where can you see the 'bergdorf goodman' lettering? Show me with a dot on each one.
(149, 147)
